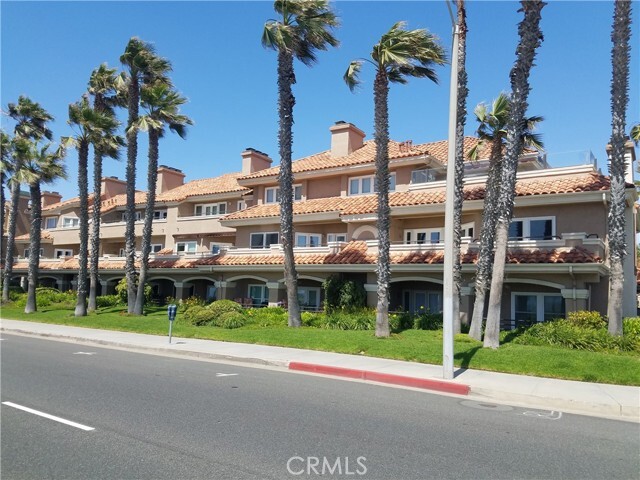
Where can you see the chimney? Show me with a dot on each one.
(49, 198)
(629, 159)
(254, 160)
(168, 178)
(112, 186)
(345, 139)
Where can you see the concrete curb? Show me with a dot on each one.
(424, 383)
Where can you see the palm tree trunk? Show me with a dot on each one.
(617, 203)
(286, 101)
(94, 255)
(2, 200)
(381, 137)
(11, 241)
(83, 192)
(34, 251)
(458, 186)
(147, 230)
(130, 232)
(487, 236)
(530, 39)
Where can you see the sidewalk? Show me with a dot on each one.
(611, 401)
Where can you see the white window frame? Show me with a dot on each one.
(539, 303)
(214, 246)
(241, 205)
(138, 216)
(264, 239)
(47, 220)
(264, 293)
(412, 307)
(186, 245)
(303, 297)
(307, 239)
(75, 222)
(428, 172)
(62, 252)
(122, 252)
(411, 236)
(27, 250)
(465, 230)
(373, 187)
(526, 227)
(274, 193)
(335, 237)
(211, 207)
(156, 247)
(160, 214)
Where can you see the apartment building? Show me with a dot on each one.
(219, 237)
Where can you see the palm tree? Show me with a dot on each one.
(461, 118)
(91, 128)
(40, 166)
(399, 54)
(530, 38)
(31, 123)
(493, 132)
(304, 27)
(5, 166)
(106, 96)
(143, 66)
(617, 202)
(635, 133)
(163, 109)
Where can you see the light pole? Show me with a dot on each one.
(447, 297)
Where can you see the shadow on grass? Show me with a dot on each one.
(465, 357)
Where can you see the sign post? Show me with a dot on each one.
(171, 311)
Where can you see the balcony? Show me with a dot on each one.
(201, 224)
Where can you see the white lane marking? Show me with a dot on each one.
(225, 374)
(50, 417)
(84, 353)
(553, 415)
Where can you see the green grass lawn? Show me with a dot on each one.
(411, 345)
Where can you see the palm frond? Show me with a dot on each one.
(351, 75)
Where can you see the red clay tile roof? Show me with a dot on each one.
(44, 235)
(227, 183)
(364, 204)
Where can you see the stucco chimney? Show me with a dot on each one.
(345, 139)
(49, 198)
(254, 160)
(112, 186)
(629, 159)
(168, 178)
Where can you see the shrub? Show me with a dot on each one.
(363, 319)
(108, 301)
(400, 321)
(631, 328)
(220, 307)
(586, 319)
(198, 316)
(428, 321)
(121, 291)
(230, 320)
(312, 319)
(266, 317)
(190, 302)
(352, 295)
(331, 288)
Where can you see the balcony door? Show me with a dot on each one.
(420, 301)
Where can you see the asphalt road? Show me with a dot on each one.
(162, 417)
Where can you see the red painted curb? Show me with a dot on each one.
(426, 383)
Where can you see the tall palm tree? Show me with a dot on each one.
(143, 66)
(163, 110)
(5, 166)
(91, 127)
(303, 27)
(398, 55)
(461, 118)
(620, 35)
(530, 39)
(41, 165)
(106, 96)
(31, 123)
(492, 131)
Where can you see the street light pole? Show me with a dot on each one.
(447, 297)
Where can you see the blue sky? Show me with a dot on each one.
(48, 50)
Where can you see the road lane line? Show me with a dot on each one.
(50, 417)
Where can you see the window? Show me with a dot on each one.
(26, 252)
(160, 215)
(336, 237)
(272, 194)
(122, 252)
(214, 248)
(137, 216)
(210, 210)
(537, 307)
(424, 235)
(467, 230)
(420, 301)
(259, 294)
(50, 223)
(61, 253)
(156, 247)
(308, 239)
(535, 228)
(367, 185)
(241, 205)
(264, 240)
(423, 175)
(186, 247)
(309, 297)
(70, 222)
